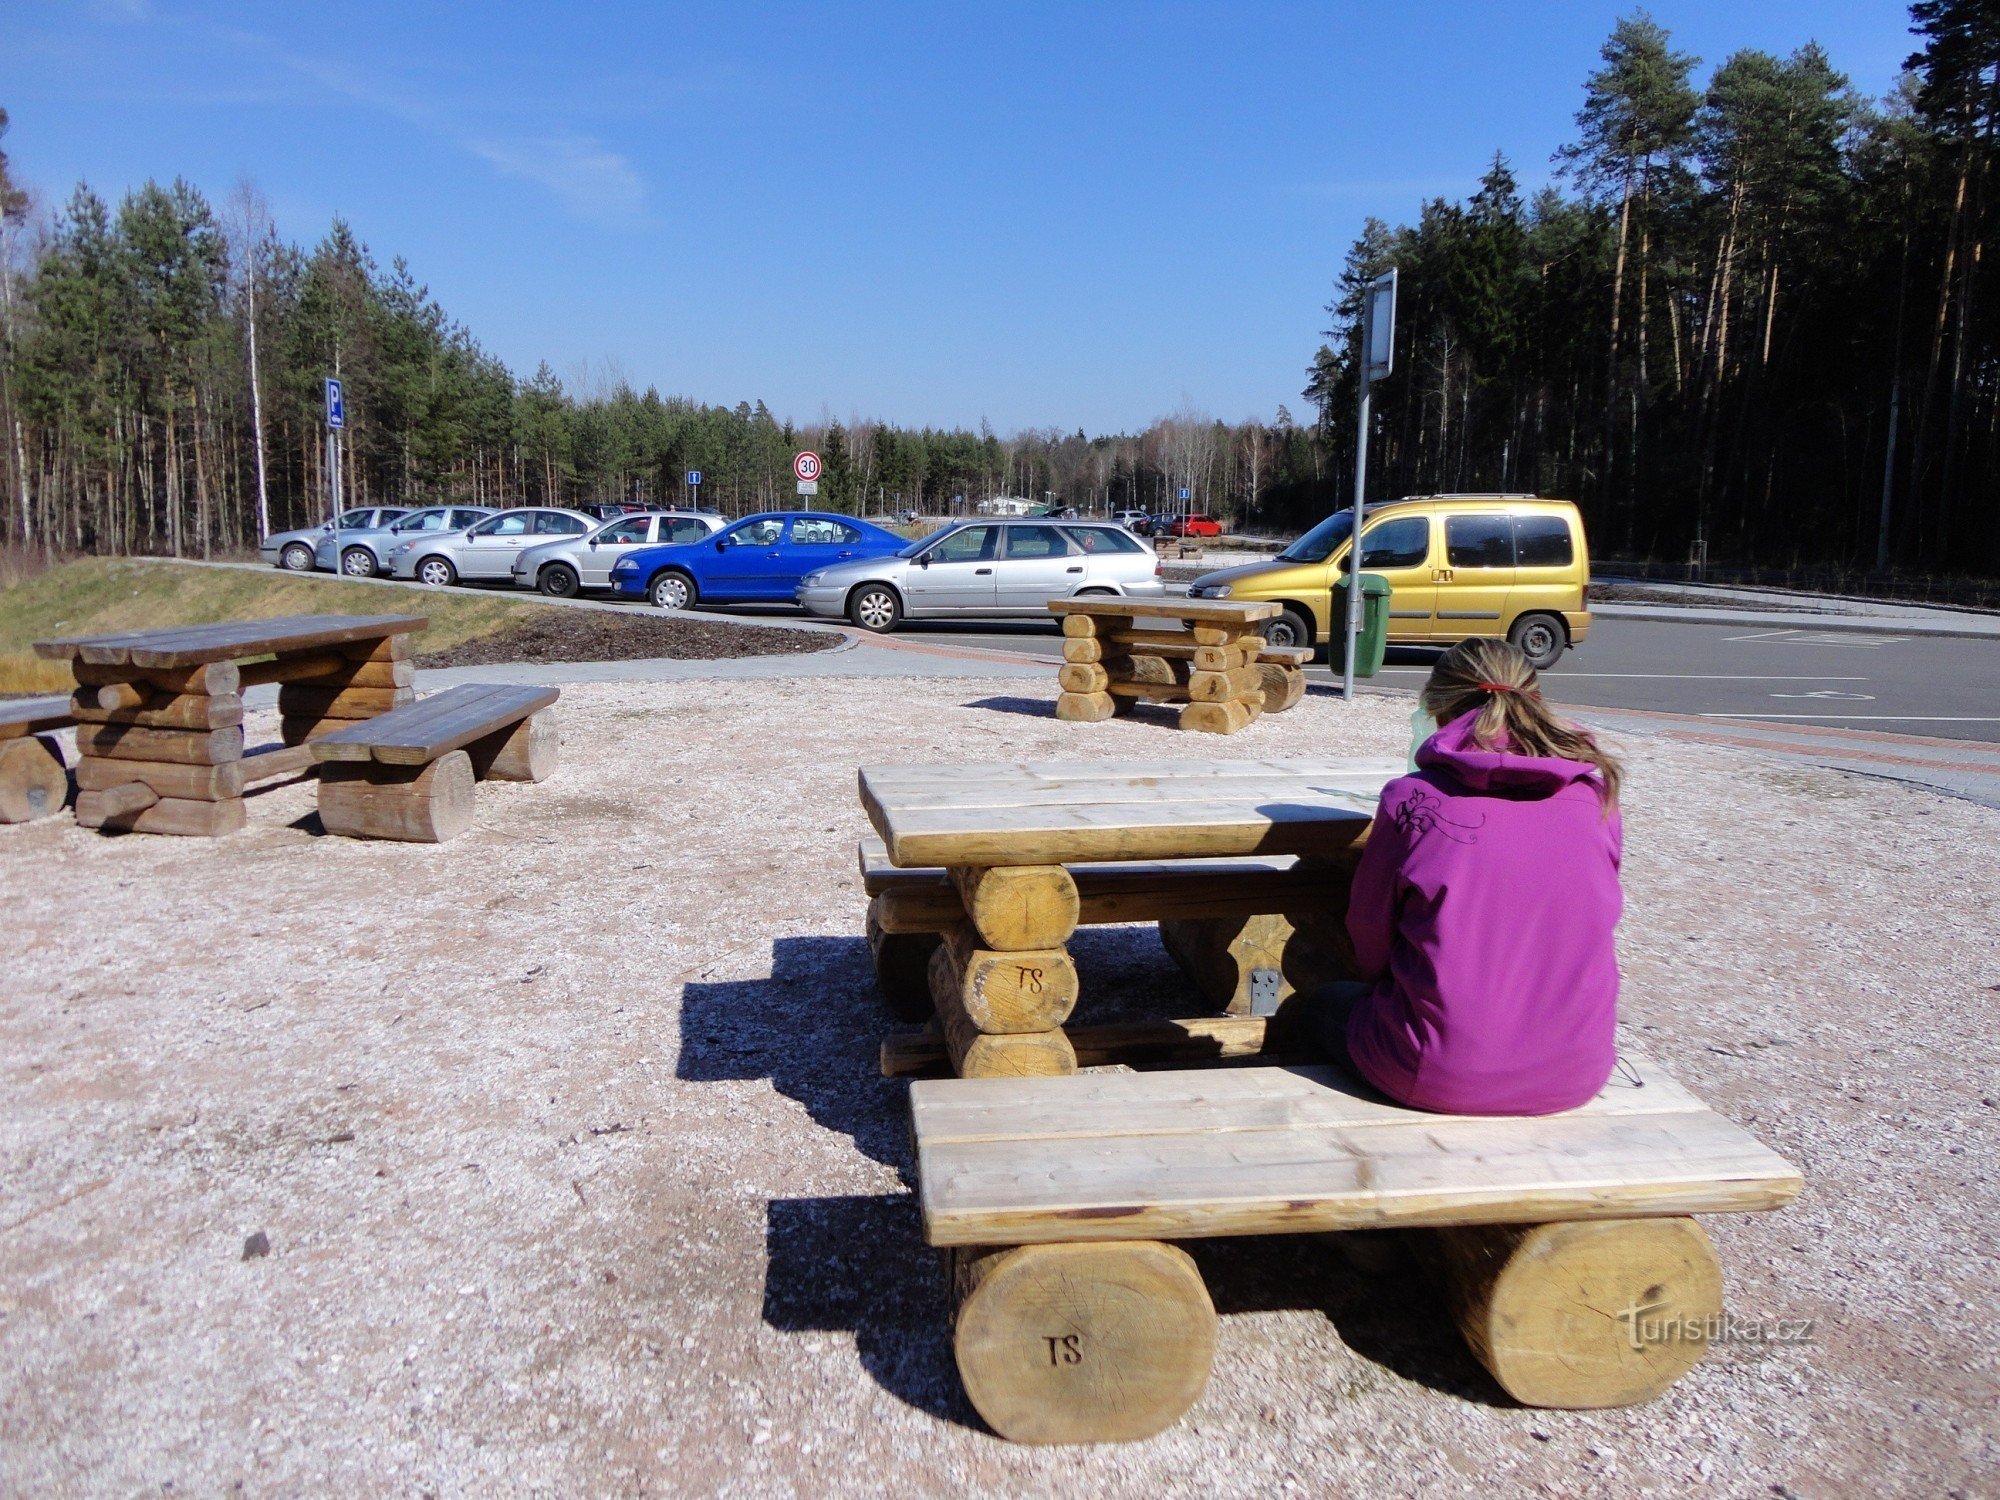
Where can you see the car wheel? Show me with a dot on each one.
(673, 590)
(558, 581)
(1289, 629)
(297, 557)
(1541, 638)
(874, 606)
(437, 572)
(358, 562)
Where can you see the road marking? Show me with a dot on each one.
(1654, 676)
(1829, 693)
(1886, 718)
(1852, 641)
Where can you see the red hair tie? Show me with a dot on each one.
(1497, 687)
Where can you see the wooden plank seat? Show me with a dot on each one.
(34, 778)
(1565, 1245)
(408, 774)
(1248, 932)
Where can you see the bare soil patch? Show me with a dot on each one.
(564, 635)
(577, 1176)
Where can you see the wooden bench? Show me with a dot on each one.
(34, 779)
(1564, 1243)
(1166, 667)
(408, 774)
(1247, 932)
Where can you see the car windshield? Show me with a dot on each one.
(418, 520)
(924, 541)
(1321, 542)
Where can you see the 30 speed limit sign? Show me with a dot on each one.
(806, 465)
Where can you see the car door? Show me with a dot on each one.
(954, 575)
(1035, 565)
(1477, 576)
(1399, 549)
(743, 559)
(594, 559)
(490, 548)
(816, 542)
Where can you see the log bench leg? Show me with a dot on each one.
(34, 782)
(1002, 981)
(902, 967)
(417, 804)
(1090, 1343)
(525, 752)
(1283, 685)
(1251, 966)
(1583, 1315)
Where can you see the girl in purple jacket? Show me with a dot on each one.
(1483, 907)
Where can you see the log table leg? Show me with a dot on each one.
(1583, 1315)
(1090, 1343)
(1084, 699)
(902, 966)
(1225, 692)
(34, 782)
(161, 751)
(1002, 981)
(328, 690)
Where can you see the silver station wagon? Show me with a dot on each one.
(559, 569)
(985, 568)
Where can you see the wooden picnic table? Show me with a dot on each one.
(160, 712)
(1201, 652)
(1002, 978)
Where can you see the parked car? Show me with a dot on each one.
(365, 553)
(611, 510)
(1135, 521)
(293, 550)
(484, 552)
(984, 568)
(1185, 526)
(1457, 566)
(561, 568)
(759, 560)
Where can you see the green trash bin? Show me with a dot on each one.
(1373, 640)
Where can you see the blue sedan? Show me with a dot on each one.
(759, 560)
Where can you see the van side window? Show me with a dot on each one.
(1543, 542)
(1402, 543)
(1479, 541)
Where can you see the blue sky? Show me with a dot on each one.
(1036, 215)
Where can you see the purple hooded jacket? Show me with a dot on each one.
(1483, 911)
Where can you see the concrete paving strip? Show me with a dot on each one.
(1812, 622)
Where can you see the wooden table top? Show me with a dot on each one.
(197, 645)
(1207, 611)
(1067, 812)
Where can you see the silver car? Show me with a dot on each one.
(293, 550)
(365, 552)
(485, 552)
(989, 568)
(561, 568)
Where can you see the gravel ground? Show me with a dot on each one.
(576, 1176)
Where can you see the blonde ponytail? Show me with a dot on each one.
(1494, 679)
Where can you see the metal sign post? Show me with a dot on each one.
(336, 430)
(1378, 348)
(694, 486)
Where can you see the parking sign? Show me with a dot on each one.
(336, 405)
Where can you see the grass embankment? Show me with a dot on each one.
(94, 595)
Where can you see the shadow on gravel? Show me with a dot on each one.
(814, 1028)
(860, 1265)
(1159, 715)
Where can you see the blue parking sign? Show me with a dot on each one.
(336, 404)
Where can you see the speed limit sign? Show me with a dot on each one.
(806, 465)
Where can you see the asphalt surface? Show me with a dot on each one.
(1939, 687)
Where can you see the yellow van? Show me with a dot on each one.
(1457, 565)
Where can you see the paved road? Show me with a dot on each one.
(1943, 688)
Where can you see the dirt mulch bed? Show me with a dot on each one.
(596, 635)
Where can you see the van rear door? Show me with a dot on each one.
(1548, 578)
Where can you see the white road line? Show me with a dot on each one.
(1648, 676)
(1886, 718)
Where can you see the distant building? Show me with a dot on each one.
(1008, 505)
